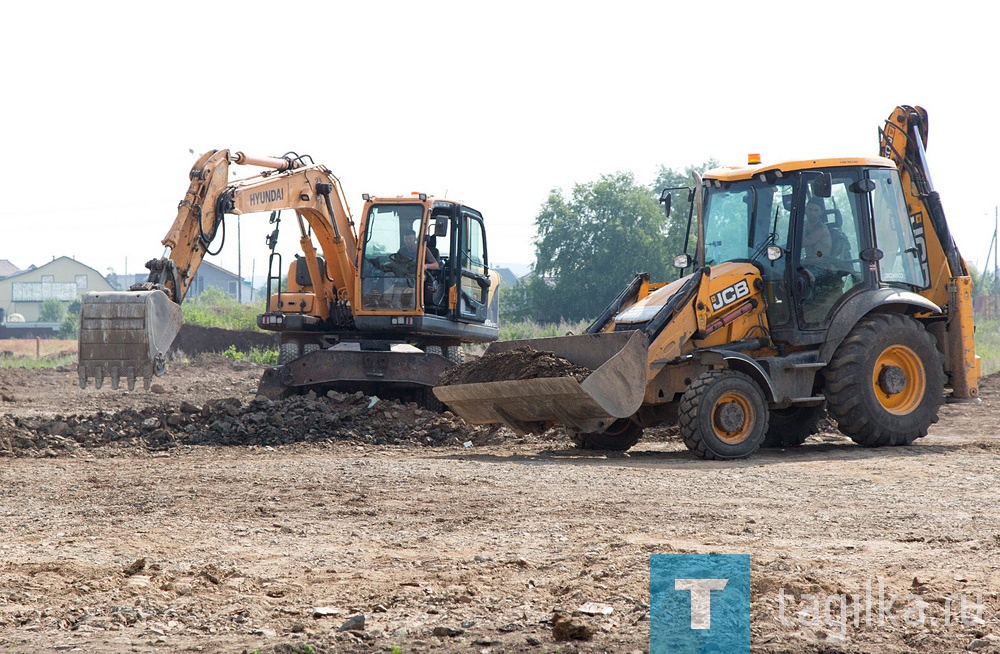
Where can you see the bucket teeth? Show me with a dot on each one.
(125, 335)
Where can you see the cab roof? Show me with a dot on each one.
(737, 173)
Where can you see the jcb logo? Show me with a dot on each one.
(730, 294)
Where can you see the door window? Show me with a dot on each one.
(904, 257)
(829, 243)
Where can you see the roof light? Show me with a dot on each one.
(753, 158)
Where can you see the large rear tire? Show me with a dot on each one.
(723, 415)
(792, 426)
(886, 381)
(620, 436)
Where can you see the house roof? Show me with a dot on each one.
(32, 268)
(7, 268)
(507, 276)
(219, 269)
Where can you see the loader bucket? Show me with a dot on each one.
(125, 335)
(614, 389)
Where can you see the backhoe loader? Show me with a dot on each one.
(820, 284)
(363, 312)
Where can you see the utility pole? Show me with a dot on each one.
(239, 262)
(996, 270)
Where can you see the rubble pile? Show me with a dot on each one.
(308, 418)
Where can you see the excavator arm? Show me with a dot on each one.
(904, 141)
(126, 334)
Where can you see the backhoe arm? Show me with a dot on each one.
(904, 141)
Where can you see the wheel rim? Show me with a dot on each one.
(732, 418)
(898, 380)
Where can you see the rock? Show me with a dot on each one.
(324, 611)
(187, 407)
(135, 567)
(566, 628)
(977, 644)
(354, 623)
(447, 632)
(595, 608)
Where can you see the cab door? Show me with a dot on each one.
(828, 238)
(473, 286)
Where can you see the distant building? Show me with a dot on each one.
(209, 275)
(64, 279)
(7, 269)
(507, 277)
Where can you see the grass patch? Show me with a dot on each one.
(988, 345)
(51, 361)
(213, 308)
(530, 329)
(265, 356)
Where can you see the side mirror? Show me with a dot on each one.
(822, 185)
(871, 255)
(441, 226)
(682, 261)
(665, 200)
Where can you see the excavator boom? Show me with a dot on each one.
(126, 334)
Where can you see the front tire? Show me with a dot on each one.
(886, 381)
(723, 415)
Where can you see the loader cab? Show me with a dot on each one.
(819, 234)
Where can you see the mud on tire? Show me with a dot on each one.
(886, 381)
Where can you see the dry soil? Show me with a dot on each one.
(196, 518)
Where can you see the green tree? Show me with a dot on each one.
(590, 245)
(52, 311)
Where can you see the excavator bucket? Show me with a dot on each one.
(126, 334)
(614, 389)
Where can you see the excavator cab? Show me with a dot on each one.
(424, 267)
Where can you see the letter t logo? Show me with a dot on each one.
(701, 599)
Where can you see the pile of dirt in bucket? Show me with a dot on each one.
(521, 362)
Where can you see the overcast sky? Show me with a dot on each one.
(493, 104)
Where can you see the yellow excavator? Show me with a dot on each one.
(369, 310)
(826, 284)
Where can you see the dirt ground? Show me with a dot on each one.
(194, 518)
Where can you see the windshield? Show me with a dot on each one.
(741, 220)
(389, 257)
